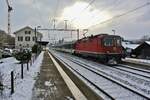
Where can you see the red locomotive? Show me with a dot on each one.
(106, 48)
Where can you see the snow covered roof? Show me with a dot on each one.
(128, 45)
(148, 42)
(27, 27)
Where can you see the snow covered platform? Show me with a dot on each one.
(138, 61)
(22, 87)
(49, 84)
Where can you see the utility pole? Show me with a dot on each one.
(65, 24)
(77, 34)
(35, 33)
(54, 22)
(9, 11)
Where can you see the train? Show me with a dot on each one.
(104, 47)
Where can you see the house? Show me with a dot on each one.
(142, 51)
(26, 37)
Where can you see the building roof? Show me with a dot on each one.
(129, 45)
(144, 45)
(44, 43)
(27, 27)
(148, 42)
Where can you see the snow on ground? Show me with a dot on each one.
(23, 87)
(113, 89)
(138, 60)
(132, 81)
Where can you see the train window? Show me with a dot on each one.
(108, 42)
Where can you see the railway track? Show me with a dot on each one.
(108, 85)
(136, 71)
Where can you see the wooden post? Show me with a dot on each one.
(12, 82)
(31, 62)
(33, 59)
(27, 65)
(22, 70)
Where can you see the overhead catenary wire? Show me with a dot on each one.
(38, 11)
(90, 3)
(115, 5)
(123, 14)
(57, 7)
(54, 18)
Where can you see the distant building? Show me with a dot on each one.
(26, 37)
(142, 51)
(6, 40)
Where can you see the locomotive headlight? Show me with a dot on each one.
(107, 52)
(114, 48)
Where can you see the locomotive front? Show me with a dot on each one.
(112, 49)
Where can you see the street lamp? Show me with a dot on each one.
(114, 31)
(36, 36)
(66, 24)
(38, 27)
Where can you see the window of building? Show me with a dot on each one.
(27, 45)
(27, 38)
(27, 32)
(20, 38)
(33, 38)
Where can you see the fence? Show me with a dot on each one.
(14, 75)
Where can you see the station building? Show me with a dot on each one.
(26, 37)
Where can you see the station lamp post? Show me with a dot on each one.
(114, 31)
(36, 36)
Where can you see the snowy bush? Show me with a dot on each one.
(23, 55)
(36, 49)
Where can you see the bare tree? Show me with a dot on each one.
(145, 38)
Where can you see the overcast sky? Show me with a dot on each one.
(41, 12)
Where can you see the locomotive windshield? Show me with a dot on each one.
(118, 41)
(112, 41)
(108, 41)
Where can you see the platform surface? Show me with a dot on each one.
(49, 83)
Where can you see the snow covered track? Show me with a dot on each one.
(106, 80)
(137, 71)
(92, 83)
